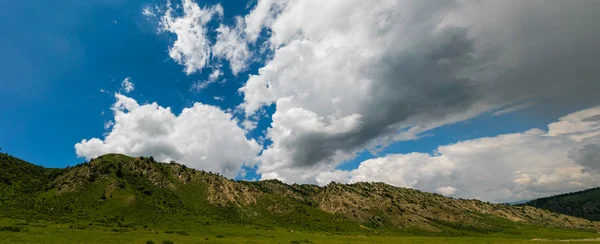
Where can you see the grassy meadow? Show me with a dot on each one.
(21, 231)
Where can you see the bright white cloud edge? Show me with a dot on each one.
(201, 136)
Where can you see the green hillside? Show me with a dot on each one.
(584, 204)
(20, 179)
(117, 193)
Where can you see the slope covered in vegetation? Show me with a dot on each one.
(121, 191)
(584, 204)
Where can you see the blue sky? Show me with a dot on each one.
(60, 56)
(64, 62)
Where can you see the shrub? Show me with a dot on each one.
(11, 228)
(167, 242)
(149, 242)
(220, 236)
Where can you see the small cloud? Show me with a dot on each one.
(115, 22)
(104, 91)
(127, 85)
(447, 190)
(147, 11)
(108, 124)
(513, 108)
(212, 78)
(192, 47)
(249, 125)
(101, 113)
(219, 98)
(242, 173)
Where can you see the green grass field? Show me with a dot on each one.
(20, 231)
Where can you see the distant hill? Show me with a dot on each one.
(119, 188)
(521, 202)
(584, 204)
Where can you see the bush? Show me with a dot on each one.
(149, 242)
(167, 242)
(220, 236)
(11, 229)
(301, 241)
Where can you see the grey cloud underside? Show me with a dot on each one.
(595, 118)
(556, 53)
(587, 156)
(410, 86)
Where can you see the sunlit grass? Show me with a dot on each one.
(189, 232)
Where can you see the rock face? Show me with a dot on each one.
(119, 185)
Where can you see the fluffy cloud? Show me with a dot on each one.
(349, 75)
(232, 46)
(202, 136)
(503, 168)
(127, 85)
(263, 14)
(192, 48)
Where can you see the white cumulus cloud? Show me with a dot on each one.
(192, 48)
(201, 136)
(232, 46)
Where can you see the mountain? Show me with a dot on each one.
(127, 190)
(584, 204)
